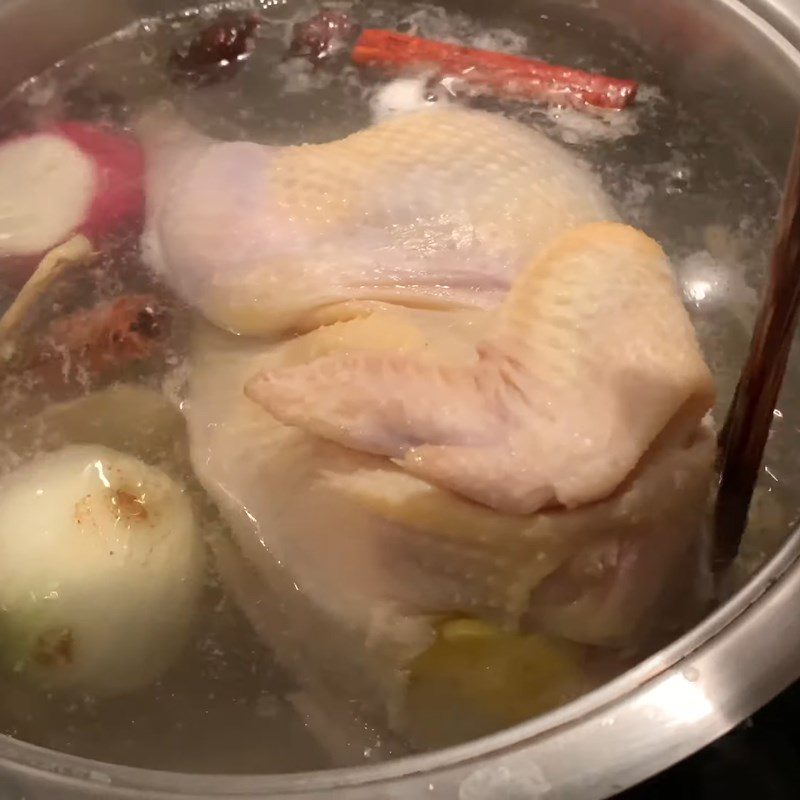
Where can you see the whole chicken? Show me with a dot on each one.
(494, 414)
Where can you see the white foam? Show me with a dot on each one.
(299, 76)
(434, 22)
(401, 96)
(710, 282)
(575, 126)
(501, 40)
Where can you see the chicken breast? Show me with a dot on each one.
(424, 209)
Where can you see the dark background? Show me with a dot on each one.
(760, 760)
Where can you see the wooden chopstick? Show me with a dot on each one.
(744, 435)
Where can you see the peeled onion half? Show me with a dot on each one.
(101, 566)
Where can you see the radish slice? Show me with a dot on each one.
(72, 178)
(46, 190)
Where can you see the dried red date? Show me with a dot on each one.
(323, 36)
(218, 51)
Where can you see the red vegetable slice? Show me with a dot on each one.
(119, 164)
(71, 177)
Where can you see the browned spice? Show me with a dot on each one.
(108, 336)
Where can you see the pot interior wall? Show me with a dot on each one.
(702, 173)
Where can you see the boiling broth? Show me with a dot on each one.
(225, 706)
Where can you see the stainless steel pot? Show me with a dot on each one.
(741, 59)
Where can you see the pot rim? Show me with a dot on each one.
(644, 709)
